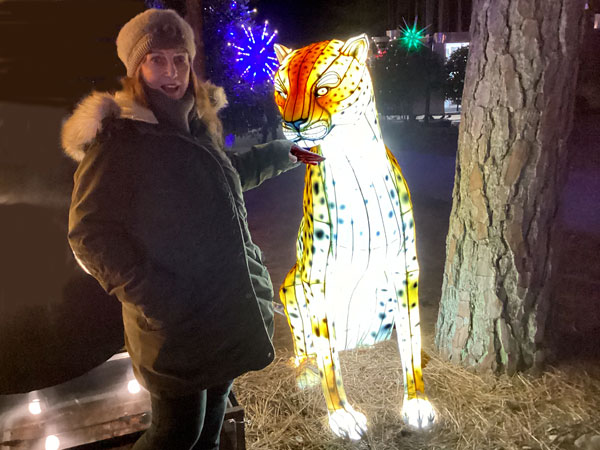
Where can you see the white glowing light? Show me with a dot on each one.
(133, 387)
(348, 423)
(52, 443)
(264, 31)
(270, 40)
(418, 413)
(35, 407)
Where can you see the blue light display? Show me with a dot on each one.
(158, 4)
(255, 58)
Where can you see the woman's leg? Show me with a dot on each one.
(216, 404)
(176, 422)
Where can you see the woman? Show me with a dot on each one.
(158, 218)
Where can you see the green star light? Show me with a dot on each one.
(412, 38)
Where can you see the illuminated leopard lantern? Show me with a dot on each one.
(356, 272)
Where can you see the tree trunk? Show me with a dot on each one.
(441, 16)
(394, 14)
(194, 18)
(459, 13)
(429, 10)
(517, 113)
(427, 103)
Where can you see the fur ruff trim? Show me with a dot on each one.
(85, 123)
(217, 96)
(82, 127)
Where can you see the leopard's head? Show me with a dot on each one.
(322, 86)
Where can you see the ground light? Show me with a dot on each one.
(35, 407)
(133, 387)
(52, 442)
(78, 411)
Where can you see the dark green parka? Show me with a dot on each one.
(158, 218)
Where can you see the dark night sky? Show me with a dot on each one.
(71, 42)
(58, 38)
(308, 21)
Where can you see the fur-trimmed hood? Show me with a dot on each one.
(82, 127)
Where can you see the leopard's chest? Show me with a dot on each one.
(360, 206)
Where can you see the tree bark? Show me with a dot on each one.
(429, 11)
(427, 104)
(441, 16)
(394, 14)
(511, 164)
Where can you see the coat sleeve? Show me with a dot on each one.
(98, 236)
(262, 162)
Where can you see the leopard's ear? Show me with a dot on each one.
(281, 51)
(357, 46)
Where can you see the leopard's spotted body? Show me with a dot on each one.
(356, 273)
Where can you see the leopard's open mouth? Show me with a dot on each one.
(314, 132)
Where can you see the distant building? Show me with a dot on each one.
(442, 43)
(445, 44)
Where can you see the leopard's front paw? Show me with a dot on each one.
(348, 423)
(307, 373)
(307, 377)
(418, 413)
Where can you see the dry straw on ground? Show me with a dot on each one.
(477, 412)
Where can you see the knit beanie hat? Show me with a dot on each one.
(153, 29)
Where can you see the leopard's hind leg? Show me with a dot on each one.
(404, 275)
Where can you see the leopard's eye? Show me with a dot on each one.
(280, 89)
(322, 91)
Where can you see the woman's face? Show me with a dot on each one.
(167, 71)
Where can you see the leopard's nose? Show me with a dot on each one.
(298, 124)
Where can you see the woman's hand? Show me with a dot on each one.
(305, 156)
